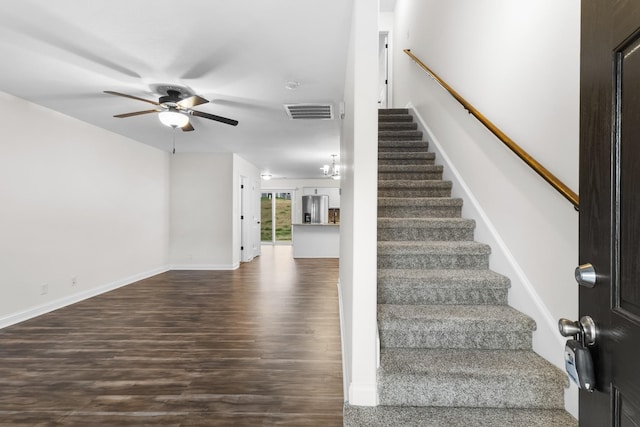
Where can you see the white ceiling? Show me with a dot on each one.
(238, 54)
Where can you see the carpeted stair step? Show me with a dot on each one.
(398, 146)
(416, 172)
(394, 118)
(427, 287)
(406, 158)
(392, 111)
(414, 188)
(426, 229)
(483, 327)
(470, 378)
(399, 135)
(433, 255)
(399, 125)
(419, 207)
(421, 416)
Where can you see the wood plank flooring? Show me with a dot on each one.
(258, 346)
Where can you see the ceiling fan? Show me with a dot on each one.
(174, 109)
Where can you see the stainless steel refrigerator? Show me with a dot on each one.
(315, 209)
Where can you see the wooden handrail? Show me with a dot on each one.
(565, 191)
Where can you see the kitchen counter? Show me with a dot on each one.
(316, 240)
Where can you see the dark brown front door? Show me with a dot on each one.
(610, 206)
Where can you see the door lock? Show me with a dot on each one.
(577, 356)
(586, 275)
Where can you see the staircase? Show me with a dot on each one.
(453, 353)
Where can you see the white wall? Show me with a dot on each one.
(358, 208)
(76, 201)
(518, 63)
(201, 211)
(205, 209)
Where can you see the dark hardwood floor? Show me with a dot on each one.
(258, 346)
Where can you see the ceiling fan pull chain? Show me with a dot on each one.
(174, 139)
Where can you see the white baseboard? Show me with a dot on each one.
(363, 394)
(346, 373)
(41, 309)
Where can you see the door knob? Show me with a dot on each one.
(568, 328)
(584, 330)
(586, 275)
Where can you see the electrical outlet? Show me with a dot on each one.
(44, 289)
(74, 280)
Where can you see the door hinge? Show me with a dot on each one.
(241, 216)
(241, 186)
(242, 248)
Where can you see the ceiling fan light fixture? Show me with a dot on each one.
(173, 118)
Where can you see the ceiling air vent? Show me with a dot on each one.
(310, 111)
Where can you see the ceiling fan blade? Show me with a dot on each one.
(130, 96)
(136, 113)
(192, 101)
(188, 127)
(214, 117)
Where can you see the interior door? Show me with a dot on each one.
(610, 206)
(383, 70)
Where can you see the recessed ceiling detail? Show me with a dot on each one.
(310, 111)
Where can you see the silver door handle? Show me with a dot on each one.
(584, 330)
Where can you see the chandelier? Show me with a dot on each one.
(332, 171)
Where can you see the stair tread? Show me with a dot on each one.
(450, 287)
(383, 111)
(429, 416)
(468, 317)
(419, 201)
(426, 222)
(397, 125)
(444, 278)
(477, 363)
(488, 378)
(408, 141)
(413, 183)
(439, 247)
(405, 154)
(395, 116)
(396, 132)
(410, 168)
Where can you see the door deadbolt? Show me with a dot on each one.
(586, 275)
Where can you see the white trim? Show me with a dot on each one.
(546, 337)
(41, 309)
(363, 394)
(345, 367)
(233, 266)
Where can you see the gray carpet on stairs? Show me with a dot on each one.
(453, 353)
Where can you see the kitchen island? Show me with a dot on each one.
(316, 240)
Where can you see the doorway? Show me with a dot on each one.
(383, 70)
(276, 208)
